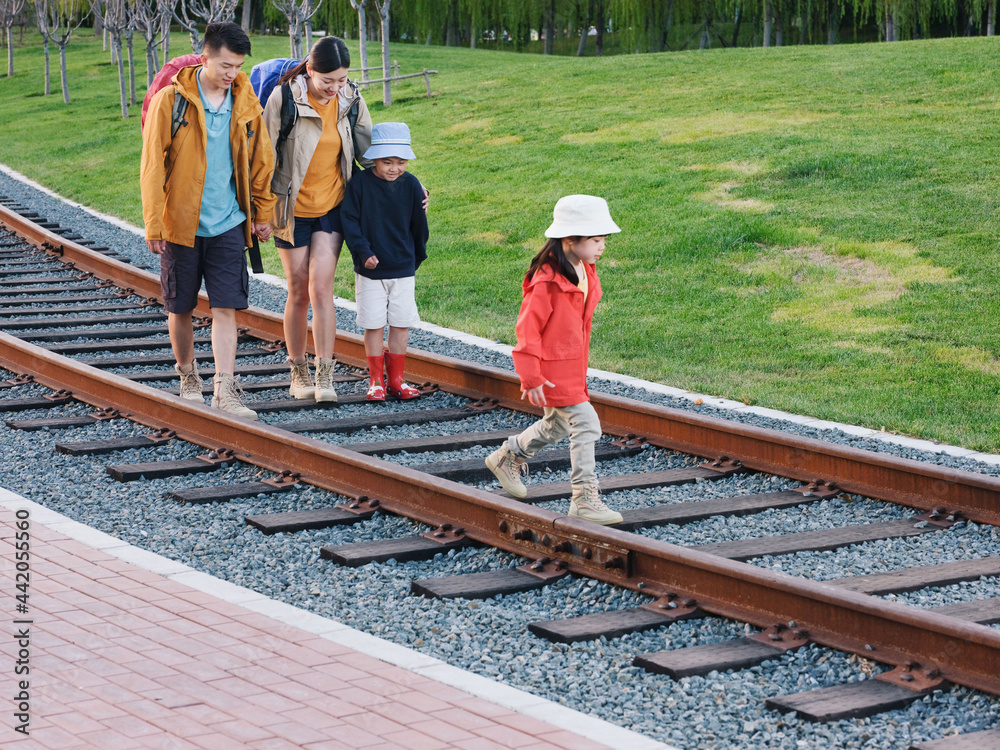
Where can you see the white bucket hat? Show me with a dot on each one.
(581, 216)
(390, 139)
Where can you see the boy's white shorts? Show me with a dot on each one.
(382, 301)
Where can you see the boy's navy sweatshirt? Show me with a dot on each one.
(387, 220)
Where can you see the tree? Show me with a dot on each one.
(206, 11)
(9, 11)
(116, 21)
(57, 20)
(359, 6)
(298, 14)
(383, 11)
(148, 17)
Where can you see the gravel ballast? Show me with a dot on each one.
(490, 637)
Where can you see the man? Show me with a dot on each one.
(205, 190)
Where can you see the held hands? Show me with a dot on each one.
(536, 396)
(371, 263)
(156, 246)
(262, 230)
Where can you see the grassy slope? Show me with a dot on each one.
(810, 228)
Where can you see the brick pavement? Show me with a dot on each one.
(124, 657)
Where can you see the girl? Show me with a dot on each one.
(316, 162)
(561, 291)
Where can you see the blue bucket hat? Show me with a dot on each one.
(390, 139)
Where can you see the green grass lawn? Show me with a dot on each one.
(812, 229)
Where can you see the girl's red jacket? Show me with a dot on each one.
(553, 335)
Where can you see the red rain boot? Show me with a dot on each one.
(376, 391)
(399, 389)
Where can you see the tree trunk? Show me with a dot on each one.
(767, 23)
(10, 51)
(991, 18)
(585, 30)
(600, 28)
(833, 23)
(151, 66)
(48, 79)
(473, 33)
(363, 40)
(779, 29)
(386, 70)
(166, 39)
(131, 70)
(245, 18)
(550, 27)
(116, 44)
(706, 38)
(736, 26)
(62, 72)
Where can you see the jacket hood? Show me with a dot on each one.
(245, 103)
(346, 97)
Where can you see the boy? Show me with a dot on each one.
(386, 232)
(205, 189)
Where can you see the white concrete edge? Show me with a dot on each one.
(514, 699)
(483, 343)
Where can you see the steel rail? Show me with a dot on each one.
(886, 477)
(965, 653)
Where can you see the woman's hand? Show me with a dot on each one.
(371, 263)
(262, 230)
(536, 396)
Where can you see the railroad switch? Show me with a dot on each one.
(361, 506)
(284, 480)
(940, 517)
(818, 489)
(567, 547)
(724, 465)
(674, 607)
(915, 677)
(446, 533)
(782, 637)
(218, 457)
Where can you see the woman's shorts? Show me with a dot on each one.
(382, 301)
(306, 227)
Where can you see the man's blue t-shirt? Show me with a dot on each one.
(220, 210)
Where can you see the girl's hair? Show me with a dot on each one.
(552, 254)
(327, 55)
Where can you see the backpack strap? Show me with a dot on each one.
(352, 118)
(289, 115)
(179, 110)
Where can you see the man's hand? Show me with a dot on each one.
(262, 230)
(371, 263)
(156, 246)
(537, 395)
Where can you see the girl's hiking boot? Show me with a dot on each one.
(508, 468)
(191, 382)
(324, 380)
(227, 397)
(301, 386)
(587, 504)
(395, 364)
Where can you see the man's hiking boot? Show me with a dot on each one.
(508, 468)
(587, 504)
(191, 382)
(227, 397)
(324, 380)
(301, 386)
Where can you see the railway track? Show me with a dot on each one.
(931, 647)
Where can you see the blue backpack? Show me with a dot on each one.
(265, 76)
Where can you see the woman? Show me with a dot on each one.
(314, 166)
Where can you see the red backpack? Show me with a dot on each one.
(163, 78)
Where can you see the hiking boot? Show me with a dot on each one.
(587, 504)
(301, 386)
(324, 380)
(227, 397)
(191, 382)
(508, 468)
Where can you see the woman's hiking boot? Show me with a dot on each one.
(324, 380)
(302, 386)
(227, 396)
(508, 468)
